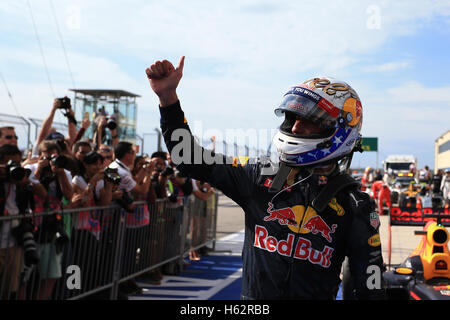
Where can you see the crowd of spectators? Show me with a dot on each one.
(74, 171)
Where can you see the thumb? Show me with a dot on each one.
(181, 64)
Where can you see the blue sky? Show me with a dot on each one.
(241, 56)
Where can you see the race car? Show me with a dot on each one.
(425, 274)
(404, 190)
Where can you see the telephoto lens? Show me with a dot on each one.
(15, 171)
(59, 161)
(111, 123)
(24, 236)
(29, 249)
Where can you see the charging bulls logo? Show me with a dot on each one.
(292, 217)
(317, 225)
(284, 216)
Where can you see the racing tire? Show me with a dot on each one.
(394, 197)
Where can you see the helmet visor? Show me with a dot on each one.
(311, 107)
(314, 108)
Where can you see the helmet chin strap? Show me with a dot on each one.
(282, 175)
(299, 181)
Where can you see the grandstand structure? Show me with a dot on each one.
(118, 104)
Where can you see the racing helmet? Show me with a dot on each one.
(328, 103)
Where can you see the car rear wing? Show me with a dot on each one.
(411, 216)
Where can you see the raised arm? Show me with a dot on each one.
(237, 182)
(47, 123)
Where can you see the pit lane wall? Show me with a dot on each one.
(86, 251)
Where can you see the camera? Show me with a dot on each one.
(59, 161)
(14, 171)
(111, 123)
(65, 103)
(173, 197)
(61, 238)
(112, 175)
(24, 236)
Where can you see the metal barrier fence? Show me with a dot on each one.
(87, 250)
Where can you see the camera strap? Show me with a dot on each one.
(46, 181)
(121, 165)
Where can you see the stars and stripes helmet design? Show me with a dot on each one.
(328, 103)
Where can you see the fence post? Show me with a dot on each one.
(117, 266)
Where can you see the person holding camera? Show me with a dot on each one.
(125, 156)
(124, 161)
(94, 188)
(92, 183)
(100, 135)
(138, 226)
(51, 172)
(16, 236)
(160, 173)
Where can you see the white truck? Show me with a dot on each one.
(400, 163)
(398, 167)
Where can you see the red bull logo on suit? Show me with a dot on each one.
(302, 250)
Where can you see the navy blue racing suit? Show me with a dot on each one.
(290, 251)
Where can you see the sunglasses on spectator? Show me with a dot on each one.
(9, 137)
(105, 150)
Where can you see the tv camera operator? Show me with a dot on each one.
(17, 236)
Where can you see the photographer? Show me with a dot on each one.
(175, 187)
(143, 167)
(100, 135)
(160, 173)
(51, 172)
(125, 156)
(16, 236)
(137, 226)
(92, 183)
(92, 188)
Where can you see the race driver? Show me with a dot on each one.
(295, 241)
